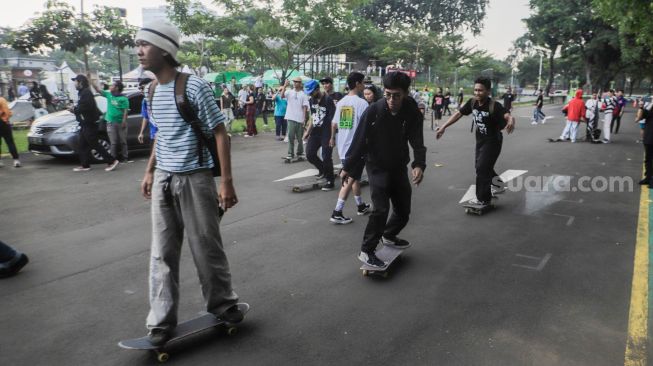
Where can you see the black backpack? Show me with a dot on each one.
(502, 123)
(188, 114)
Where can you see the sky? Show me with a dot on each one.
(502, 24)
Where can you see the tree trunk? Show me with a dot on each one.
(119, 65)
(86, 69)
(551, 70)
(588, 78)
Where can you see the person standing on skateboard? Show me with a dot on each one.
(182, 189)
(318, 133)
(490, 118)
(382, 137)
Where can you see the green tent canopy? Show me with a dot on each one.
(271, 77)
(225, 77)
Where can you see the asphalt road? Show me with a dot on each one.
(543, 280)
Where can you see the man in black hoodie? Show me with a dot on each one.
(385, 130)
(87, 114)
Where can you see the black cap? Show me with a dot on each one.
(327, 79)
(80, 77)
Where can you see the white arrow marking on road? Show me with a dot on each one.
(506, 177)
(541, 264)
(305, 173)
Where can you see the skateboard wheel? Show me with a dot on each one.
(467, 211)
(232, 331)
(163, 357)
(365, 273)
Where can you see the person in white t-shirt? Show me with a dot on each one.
(349, 111)
(242, 100)
(296, 114)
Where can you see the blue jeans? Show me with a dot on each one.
(7, 253)
(281, 125)
(537, 114)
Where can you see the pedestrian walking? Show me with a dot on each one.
(318, 132)
(346, 120)
(538, 115)
(575, 111)
(226, 106)
(618, 112)
(646, 114)
(87, 114)
(179, 182)
(386, 129)
(116, 117)
(296, 115)
(145, 123)
(436, 108)
(280, 122)
(608, 106)
(250, 112)
(242, 100)
(6, 132)
(446, 102)
(261, 105)
(508, 97)
(11, 260)
(490, 118)
(460, 98)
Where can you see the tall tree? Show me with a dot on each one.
(112, 29)
(442, 16)
(632, 17)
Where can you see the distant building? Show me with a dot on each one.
(329, 64)
(155, 14)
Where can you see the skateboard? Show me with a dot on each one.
(471, 209)
(308, 186)
(557, 140)
(387, 254)
(187, 328)
(293, 160)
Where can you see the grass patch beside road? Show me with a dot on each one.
(20, 138)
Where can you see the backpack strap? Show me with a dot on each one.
(150, 96)
(187, 112)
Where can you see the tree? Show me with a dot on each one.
(112, 29)
(632, 17)
(441, 16)
(548, 27)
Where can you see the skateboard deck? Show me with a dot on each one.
(470, 209)
(308, 186)
(293, 160)
(183, 330)
(387, 254)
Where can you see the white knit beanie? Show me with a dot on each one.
(161, 34)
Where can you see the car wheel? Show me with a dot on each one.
(104, 142)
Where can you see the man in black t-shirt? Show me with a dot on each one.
(537, 112)
(490, 118)
(261, 105)
(327, 84)
(508, 97)
(318, 132)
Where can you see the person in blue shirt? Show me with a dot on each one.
(144, 113)
(280, 121)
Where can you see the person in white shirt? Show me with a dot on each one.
(242, 100)
(296, 114)
(591, 109)
(349, 111)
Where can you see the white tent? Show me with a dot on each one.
(60, 80)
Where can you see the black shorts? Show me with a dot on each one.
(357, 170)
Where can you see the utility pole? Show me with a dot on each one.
(88, 71)
(539, 77)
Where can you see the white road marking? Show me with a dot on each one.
(506, 177)
(303, 174)
(542, 261)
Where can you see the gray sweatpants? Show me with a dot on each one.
(118, 136)
(193, 206)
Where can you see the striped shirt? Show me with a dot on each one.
(176, 142)
(610, 103)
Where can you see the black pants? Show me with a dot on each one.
(324, 165)
(7, 134)
(446, 111)
(648, 161)
(88, 140)
(387, 187)
(616, 121)
(264, 113)
(487, 153)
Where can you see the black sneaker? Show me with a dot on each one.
(232, 315)
(371, 260)
(338, 218)
(363, 209)
(159, 337)
(395, 242)
(19, 262)
(328, 186)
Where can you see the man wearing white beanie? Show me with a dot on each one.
(182, 189)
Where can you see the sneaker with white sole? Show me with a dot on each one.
(395, 242)
(17, 163)
(371, 260)
(363, 209)
(479, 204)
(81, 169)
(112, 166)
(497, 190)
(338, 218)
(328, 186)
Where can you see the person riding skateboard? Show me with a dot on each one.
(386, 129)
(490, 118)
(180, 184)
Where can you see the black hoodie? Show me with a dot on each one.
(384, 138)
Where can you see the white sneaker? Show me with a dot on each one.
(17, 163)
(112, 166)
(533, 123)
(497, 190)
(81, 169)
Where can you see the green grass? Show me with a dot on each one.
(20, 138)
(240, 126)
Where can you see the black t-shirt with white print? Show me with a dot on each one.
(487, 127)
(322, 113)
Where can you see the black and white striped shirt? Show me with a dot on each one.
(176, 143)
(610, 103)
